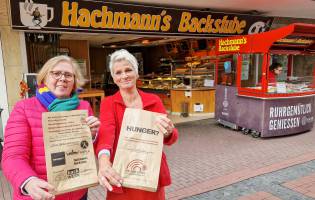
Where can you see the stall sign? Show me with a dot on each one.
(113, 17)
(231, 45)
(298, 41)
(291, 116)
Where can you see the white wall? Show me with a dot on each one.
(3, 93)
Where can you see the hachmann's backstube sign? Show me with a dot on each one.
(98, 16)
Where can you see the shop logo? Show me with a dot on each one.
(225, 104)
(306, 120)
(225, 101)
(136, 166)
(72, 173)
(84, 144)
(259, 27)
(228, 45)
(58, 159)
(34, 15)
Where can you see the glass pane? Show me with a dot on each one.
(283, 60)
(227, 70)
(301, 78)
(251, 70)
(303, 72)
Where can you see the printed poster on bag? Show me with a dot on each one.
(70, 160)
(139, 150)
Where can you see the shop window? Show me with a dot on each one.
(227, 70)
(283, 60)
(184, 46)
(251, 70)
(171, 48)
(302, 78)
(303, 66)
(296, 74)
(40, 47)
(202, 44)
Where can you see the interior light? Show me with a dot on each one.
(145, 41)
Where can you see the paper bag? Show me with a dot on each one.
(69, 154)
(139, 151)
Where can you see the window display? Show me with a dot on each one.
(226, 69)
(194, 72)
(159, 83)
(285, 74)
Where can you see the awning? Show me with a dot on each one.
(296, 36)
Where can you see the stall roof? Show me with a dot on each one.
(295, 36)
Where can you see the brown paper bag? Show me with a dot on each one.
(70, 160)
(139, 150)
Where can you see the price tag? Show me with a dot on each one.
(281, 87)
(187, 93)
(198, 107)
(208, 83)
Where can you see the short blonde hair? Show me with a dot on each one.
(120, 55)
(52, 62)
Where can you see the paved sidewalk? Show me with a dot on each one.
(293, 183)
(208, 156)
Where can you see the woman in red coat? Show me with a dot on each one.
(124, 70)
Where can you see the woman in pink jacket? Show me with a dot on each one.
(23, 154)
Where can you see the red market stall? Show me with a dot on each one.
(247, 98)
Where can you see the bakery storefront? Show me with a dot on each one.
(175, 47)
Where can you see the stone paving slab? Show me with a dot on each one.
(235, 177)
(206, 152)
(259, 196)
(304, 185)
(275, 183)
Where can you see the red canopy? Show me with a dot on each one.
(303, 39)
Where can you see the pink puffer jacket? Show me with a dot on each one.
(23, 153)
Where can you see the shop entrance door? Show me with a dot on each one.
(4, 96)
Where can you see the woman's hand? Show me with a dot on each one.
(37, 189)
(165, 125)
(107, 176)
(94, 124)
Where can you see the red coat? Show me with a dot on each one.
(113, 107)
(272, 77)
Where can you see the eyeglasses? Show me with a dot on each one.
(58, 74)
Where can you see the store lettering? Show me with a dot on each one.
(74, 17)
(280, 124)
(288, 111)
(289, 116)
(226, 45)
(142, 130)
(209, 25)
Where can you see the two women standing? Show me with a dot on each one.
(24, 156)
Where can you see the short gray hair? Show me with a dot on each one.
(120, 55)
